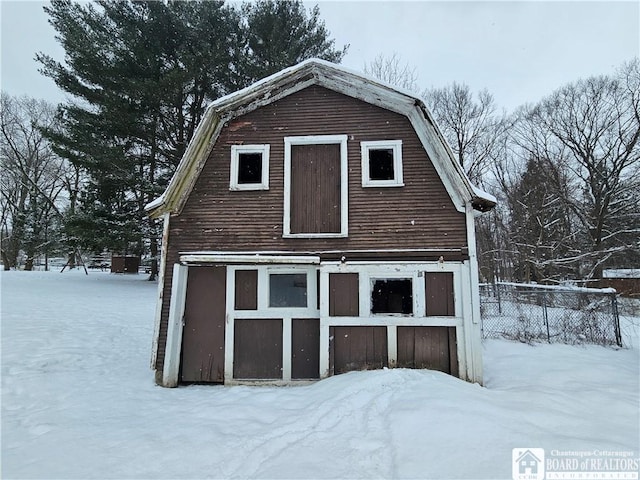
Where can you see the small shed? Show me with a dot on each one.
(318, 223)
(125, 263)
(626, 281)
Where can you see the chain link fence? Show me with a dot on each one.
(535, 313)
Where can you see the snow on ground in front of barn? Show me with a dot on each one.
(79, 402)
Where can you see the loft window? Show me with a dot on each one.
(249, 167)
(288, 290)
(392, 296)
(381, 163)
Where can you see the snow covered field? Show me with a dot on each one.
(78, 401)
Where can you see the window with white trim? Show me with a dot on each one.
(382, 163)
(249, 167)
(288, 290)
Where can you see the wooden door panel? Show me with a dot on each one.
(358, 348)
(305, 348)
(439, 294)
(344, 295)
(315, 189)
(204, 323)
(257, 349)
(434, 348)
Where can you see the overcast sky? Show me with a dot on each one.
(520, 51)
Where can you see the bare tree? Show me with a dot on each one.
(472, 126)
(392, 70)
(33, 178)
(591, 129)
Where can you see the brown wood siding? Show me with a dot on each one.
(343, 295)
(428, 347)
(439, 294)
(215, 218)
(246, 290)
(305, 348)
(315, 188)
(423, 216)
(358, 348)
(204, 324)
(257, 349)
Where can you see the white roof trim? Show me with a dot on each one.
(212, 257)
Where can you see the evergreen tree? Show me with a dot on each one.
(141, 74)
(279, 34)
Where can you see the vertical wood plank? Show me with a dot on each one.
(305, 348)
(453, 353)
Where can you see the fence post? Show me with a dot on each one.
(497, 286)
(616, 319)
(546, 315)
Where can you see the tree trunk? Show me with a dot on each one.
(5, 261)
(153, 248)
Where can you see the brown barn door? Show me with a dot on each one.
(315, 189)
(357, 348)
(434, 348)
(204, 321)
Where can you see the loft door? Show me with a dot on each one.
(315, 189)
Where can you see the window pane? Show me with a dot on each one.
(288, 290)
(381, 164)
(392, 296)
(249, 168)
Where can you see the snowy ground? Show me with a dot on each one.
(78, 401)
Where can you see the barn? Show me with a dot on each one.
(318, 223)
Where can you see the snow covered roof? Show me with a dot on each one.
(336, 78)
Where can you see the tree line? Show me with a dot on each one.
(139, 75)
(565, 170)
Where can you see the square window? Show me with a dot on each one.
(249, 167)
(288, 290)
(381, 163)
(392, 296)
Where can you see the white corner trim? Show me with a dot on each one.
(344, 184)
(396, 147)
(236, 150)
(174, 326)
(161, 272)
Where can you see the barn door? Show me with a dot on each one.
(315, 189)
(204, 322)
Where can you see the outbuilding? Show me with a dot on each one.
(318, 223)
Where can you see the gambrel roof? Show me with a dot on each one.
(333, 77)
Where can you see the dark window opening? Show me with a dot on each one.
(381, 164)
(392, 296)
(288, 290)
(249, 168)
